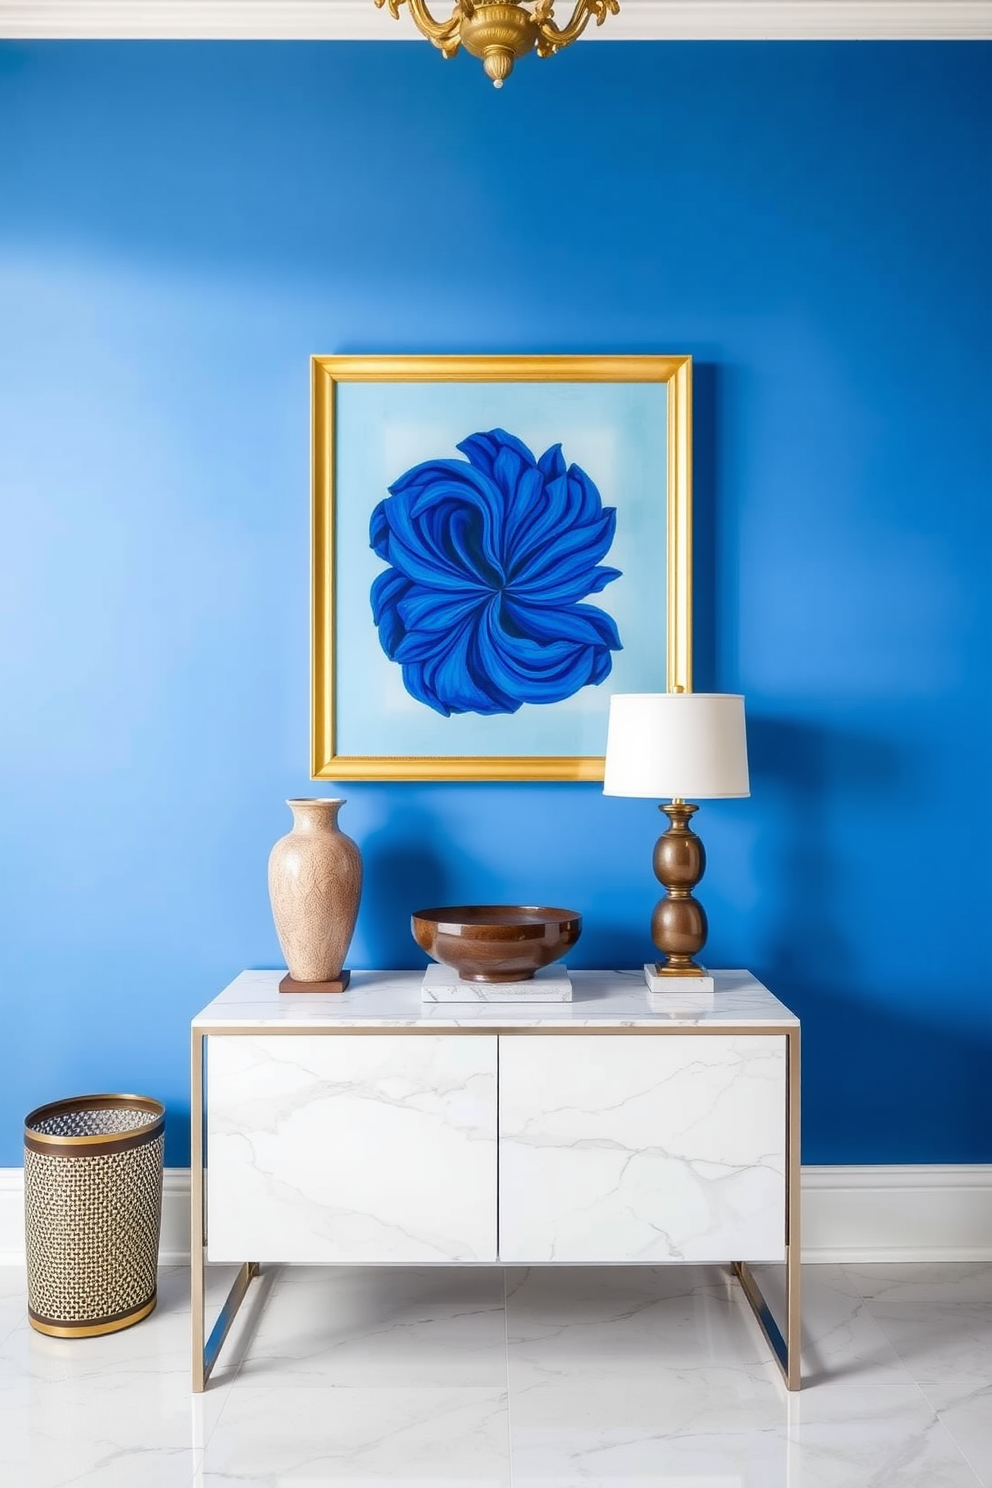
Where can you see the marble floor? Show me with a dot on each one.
(481, 1378)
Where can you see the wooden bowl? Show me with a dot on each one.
(496, 942)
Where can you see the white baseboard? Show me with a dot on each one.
(937, 1212)
(909, 1212)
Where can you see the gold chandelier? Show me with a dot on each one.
(500, 33)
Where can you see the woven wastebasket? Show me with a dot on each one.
(92, 1212)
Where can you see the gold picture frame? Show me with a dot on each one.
(332, 377)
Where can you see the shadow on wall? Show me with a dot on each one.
(817, 867)
(404, 872)
(707, 521)
(612, 943)
(804, 773)
(851, 1042)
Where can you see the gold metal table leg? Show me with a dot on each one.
(197, 1216)
(226, 1316)
(205, 1350)
(786, 1355)
(787, 1348)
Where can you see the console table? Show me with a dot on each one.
(370, 1127)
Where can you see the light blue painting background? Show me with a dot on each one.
(617, 432)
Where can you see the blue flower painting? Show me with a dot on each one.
(489, 559)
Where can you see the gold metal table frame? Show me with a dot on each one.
(785, 1341)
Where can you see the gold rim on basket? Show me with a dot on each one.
(56, 1144)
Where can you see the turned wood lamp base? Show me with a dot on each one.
(678, 924)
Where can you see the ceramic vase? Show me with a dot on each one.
(315, 884)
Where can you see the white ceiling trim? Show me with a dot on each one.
(358, 20)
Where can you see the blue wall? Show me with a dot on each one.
(182, 225)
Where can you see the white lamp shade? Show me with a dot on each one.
(686, 744)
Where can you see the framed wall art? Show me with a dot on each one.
(499, 542)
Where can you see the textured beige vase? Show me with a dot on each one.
(315, 883)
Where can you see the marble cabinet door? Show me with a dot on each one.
(368, 1147)
(633, 1147)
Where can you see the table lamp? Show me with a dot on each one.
(677, 744)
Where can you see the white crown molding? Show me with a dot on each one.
(358, 20)
(938, 1212)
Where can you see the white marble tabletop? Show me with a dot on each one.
(391, 999)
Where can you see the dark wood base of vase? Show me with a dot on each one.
(338, 985)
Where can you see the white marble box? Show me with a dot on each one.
(548, 984)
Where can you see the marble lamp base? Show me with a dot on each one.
(666, 986)
(549, 984)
